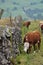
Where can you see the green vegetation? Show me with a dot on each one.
(31, 59)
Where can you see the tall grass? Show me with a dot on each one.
(31, 59)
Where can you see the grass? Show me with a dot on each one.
(31, 59)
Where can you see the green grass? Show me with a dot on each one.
(31, 59)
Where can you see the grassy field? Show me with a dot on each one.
(31, 59)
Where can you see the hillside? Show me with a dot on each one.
(5, 21)
(23, 58)
(31, 59)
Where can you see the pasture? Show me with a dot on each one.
(31, 59)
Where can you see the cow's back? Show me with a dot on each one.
(36, 36)
(33, 37)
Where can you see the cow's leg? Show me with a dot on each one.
(27, 51)
(39, 46)
(30, 48)
(34, 47)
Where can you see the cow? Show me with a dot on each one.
(27, 23)
(41, 26)
(31, 39)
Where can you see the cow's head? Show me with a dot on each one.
(26, 46)
(26, 43)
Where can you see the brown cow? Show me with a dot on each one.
(27, 23)
(41, 26)
(30, 39)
